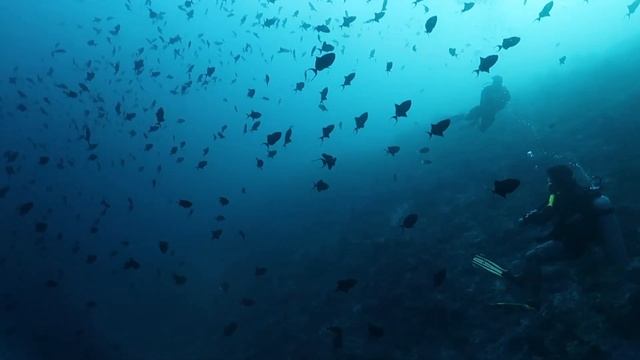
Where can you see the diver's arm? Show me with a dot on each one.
(539, 216)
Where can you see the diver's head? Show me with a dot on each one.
(560, 178)
(497, 80)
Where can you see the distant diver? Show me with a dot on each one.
(581, 217)
(493, 99)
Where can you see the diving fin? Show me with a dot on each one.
(480, 261)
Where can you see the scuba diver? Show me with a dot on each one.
(580, 218)
(493, 99)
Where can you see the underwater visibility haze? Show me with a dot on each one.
(319, 179)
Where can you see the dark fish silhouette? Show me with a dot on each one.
(216, 234)
(430, 24)
(259, 163)
(409, 221)
(424, 150)
(468, 6)
(251, 93)
(505, 187)
(164, 246)
(347, 20)
(546, 11)
(25, 208)
(633, 7)
(322, 28)
(509, 43)
(323, 95)
(287, 136)
(299, 86)
(255, 125)
(486, 63)
(393, 150)
(453, 52)
(230, 329)
(254, 115)
(185, 203)
(322, 62)
(179, 279)
(261, 271)
(402, 109)
(389, 66)
(326, 131)
(360, 121)
(439, 278)
(346, 285)
(328, 160)
(223, 201)
(375, 332)
(320, 186)
(439, 128)
(131, 264)
(348, 79)
(273, 138)
(376, 17)
(563, 59)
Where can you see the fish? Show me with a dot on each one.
(299, 86)
(230, 329)
(251, 93)
(393, 150)
(131, 264)
(322, 62)
(563, 59)
(25, 208)
(468, 6)
(505, 187)
(287, 136)
(348, 79)
(273, 138)
(259, 163)
(389, 66)
(346, 285)
(179, 279)
(255, 126)
(323, 95)
(439, 128)
(546, 11)
(376, 17)
(254, 115)
(163, 246)
(375, 332)
(321, 186)
(402, 109)
(632, 8)
(509, 43)
(328, 160)
(223, 201)
(185, 203)
(216, 234)
(326, 131)
(260, 271)
(347, 20)
(3, 191)
(409, 221)
(430, 24)
(439, 278)
(424, 150)
(322, 28)
(91, 259)
(486, 63)
(360, 121)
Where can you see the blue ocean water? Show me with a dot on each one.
(143, 216)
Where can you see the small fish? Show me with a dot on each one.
(468, 6)
(509, 43)
(453, 52)
(347, 20)
(25, 208)
(348, 79)
(254, 115)
(439, 278)
(430, 24)
(287, 136)
(346, 285)
(389, 66)
(424, 150)
(322, 28)
(320, 186)
(179, 279)
(326, 131)
(409, 221)
(299, 86)
(185, 204)
(163, 246)
(328, 160)
(505, 187)
(255, 126)
(402, 109)
(230, 329)
(322, 63)
(223, 201)
(563, 59)
(259, 163)
(393, 150)
(260, 271)
(360, 121)
(216, 234)
(251, 93)
(323, 95)
(273, 138)
(486, 63)
(632, 8)
(546, 11)
(131, 264)
(91, 259)
(439, 128)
